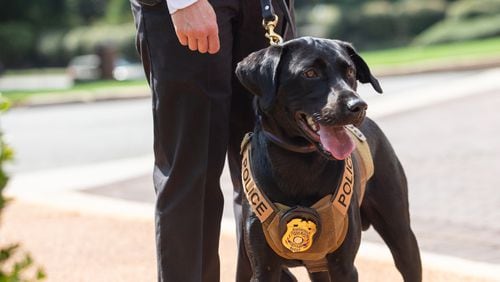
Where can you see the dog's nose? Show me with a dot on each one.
(356, 105)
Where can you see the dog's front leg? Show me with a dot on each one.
(320, 277)
(266, 264)
(341, 262)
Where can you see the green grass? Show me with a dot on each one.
(82, 88)
(107, 84)
(414, 55)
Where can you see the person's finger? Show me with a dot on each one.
(192, 43)
(183, 39)
(203, 45)
(213, 43)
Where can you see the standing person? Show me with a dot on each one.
(189, 49)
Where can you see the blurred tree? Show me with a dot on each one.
(86, 11)
(16, 41)
(23, 24)
(118, 11)
(369, 24)
(38, 13)
(465, 20)
(47, 14)
(41, 32)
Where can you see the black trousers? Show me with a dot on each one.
(199, 111)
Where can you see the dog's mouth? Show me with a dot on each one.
(331, 140)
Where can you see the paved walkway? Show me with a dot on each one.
(76, 245)
(449, 149)
(451, 155)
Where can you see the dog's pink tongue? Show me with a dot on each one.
(337, 141)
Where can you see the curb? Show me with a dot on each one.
(457, 66)
(82, 97)
(483, 83)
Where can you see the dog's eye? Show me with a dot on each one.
(310, 73)
(350, 72)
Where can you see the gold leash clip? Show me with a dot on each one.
(274, 38)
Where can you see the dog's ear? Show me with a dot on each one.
(259, 74)
(363, 73)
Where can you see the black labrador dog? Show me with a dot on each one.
(305, 98)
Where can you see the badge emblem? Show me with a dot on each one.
(299, 235)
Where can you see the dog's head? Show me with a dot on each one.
(306, 89)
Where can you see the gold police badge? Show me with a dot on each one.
(299, 235)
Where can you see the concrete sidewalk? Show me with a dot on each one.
(75, 244)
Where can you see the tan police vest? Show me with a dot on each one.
(301, 241)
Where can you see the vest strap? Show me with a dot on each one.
(313, 266)
(260, 204)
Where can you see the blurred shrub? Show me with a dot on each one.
(118, 11)
(16, 40)
(85, 11)
(26, 24)
(460, 30)
(36, 13)
(50, 48)
(466, 20)
(466, 9)
(320, 21)
(5, 153)
(374, 24)
(58, 47)
(416, 16)
(13, 266)
(84, 40)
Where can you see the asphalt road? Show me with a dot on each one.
(75, 134)
(71, 135)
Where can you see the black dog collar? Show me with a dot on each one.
(309, 148)
(289, 146)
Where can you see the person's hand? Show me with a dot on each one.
(196, 27)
